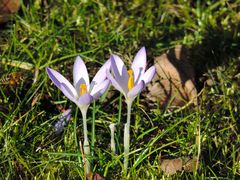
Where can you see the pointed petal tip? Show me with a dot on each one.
(143, 49)
(80, 72)
(112, 57)
(78, 58)
(78, 62)
(48, 69)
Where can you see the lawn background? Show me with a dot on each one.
(52, 33)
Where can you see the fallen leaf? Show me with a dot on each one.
(174, 79)
(171, 166)
(8, 7)
(95, 176)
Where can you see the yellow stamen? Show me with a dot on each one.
(83, 89)
(130, 80)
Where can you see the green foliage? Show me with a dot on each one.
(52, 33)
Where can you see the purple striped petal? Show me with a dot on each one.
(139, 64)
(80, 74)
(61, 123)
(68, 92)
(115, 84)
(119, 71)
(58, 79)
(136, 90)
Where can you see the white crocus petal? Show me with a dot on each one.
(120, 71)
(139, 64)
(57, 79)
(120, 66)
(68, 92)
(101, 74)
(116, 84)
(80, 73)
(135, 90)
(148, 75)
(100, 89)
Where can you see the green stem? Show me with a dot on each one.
(76, 139)
(119, 109)
(93, 128)
(86, 147)
(118, 124)
(126, 140)
(198, 139)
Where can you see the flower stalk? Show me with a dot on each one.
(126, 139)
(112, 145)
(85, 132)
(86, 147)
(93, 138)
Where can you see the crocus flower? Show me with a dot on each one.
(130, 83)
(62, 122)
(82, 92)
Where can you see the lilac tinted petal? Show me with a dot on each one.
(80, 73)
(68, 93)
(115, 83)
(61, 123)
(100, 89)
(101, 74)
(118, 65)
(148, 75)
(119, 71)
(136, 90)
(139, 64)
(57, 79)
(84, 100)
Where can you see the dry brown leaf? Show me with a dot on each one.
(8, 7)
(174, 79)
(95, 176)
(171, 166)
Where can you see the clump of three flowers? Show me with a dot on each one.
(129, 82)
